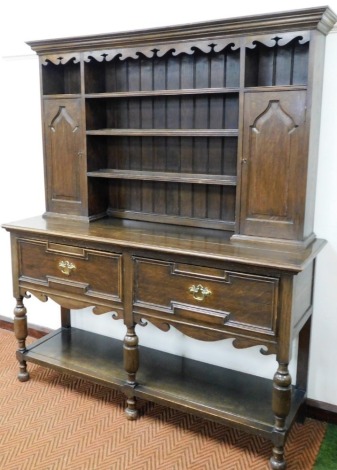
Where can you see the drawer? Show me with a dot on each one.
(205, 296)
(70, 269)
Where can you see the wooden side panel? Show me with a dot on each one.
(303, 295)
(274, 164)
(64, 148)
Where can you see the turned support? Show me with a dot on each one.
(281, 407)
(21, 333)
(131, 364)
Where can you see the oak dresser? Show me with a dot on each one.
(180, 169)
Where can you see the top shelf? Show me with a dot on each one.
(268, 61)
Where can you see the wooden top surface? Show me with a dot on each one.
(201, 243)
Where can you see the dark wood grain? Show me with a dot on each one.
(274, 190)
(169, 239)
(165, 176)
(64, 148)
(321, 18)
(180, 169)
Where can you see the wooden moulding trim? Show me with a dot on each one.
(314, 409)
(322, 411)
(321, 18)
(282, 242)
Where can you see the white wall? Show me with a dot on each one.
(21, 176)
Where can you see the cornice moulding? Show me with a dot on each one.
(320, 18)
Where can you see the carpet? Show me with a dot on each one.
(327, 456)
(58, 422)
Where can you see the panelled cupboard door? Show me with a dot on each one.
(274, 164)
(64, 144)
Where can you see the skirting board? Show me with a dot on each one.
(314, 409)
(33, 330)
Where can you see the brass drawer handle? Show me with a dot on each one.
(66, 267)
(199, 292)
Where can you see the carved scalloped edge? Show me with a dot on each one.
(101, 309)
(160, 50)
(162, 325)
(63, 301)
(58, 59)
(242, 343)
(205, 335)
(38, 295)
(74, 304)
(60, 300)
(279, 39)
(116, 315)
(141, 322)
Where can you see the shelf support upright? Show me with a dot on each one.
(281, 402)
(131, 364)
(130, 346)
(281, 394)
(21, 333)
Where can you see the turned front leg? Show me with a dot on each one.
(21, 333)
(131, 364)
(281, 407)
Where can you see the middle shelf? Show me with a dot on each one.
(222, 180)
(166, 132)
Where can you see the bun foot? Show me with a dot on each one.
(23, 376)
(131, 415)
(277, 461)
(131, 411)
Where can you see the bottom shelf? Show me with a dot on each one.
(81, 353)
(230, 397)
